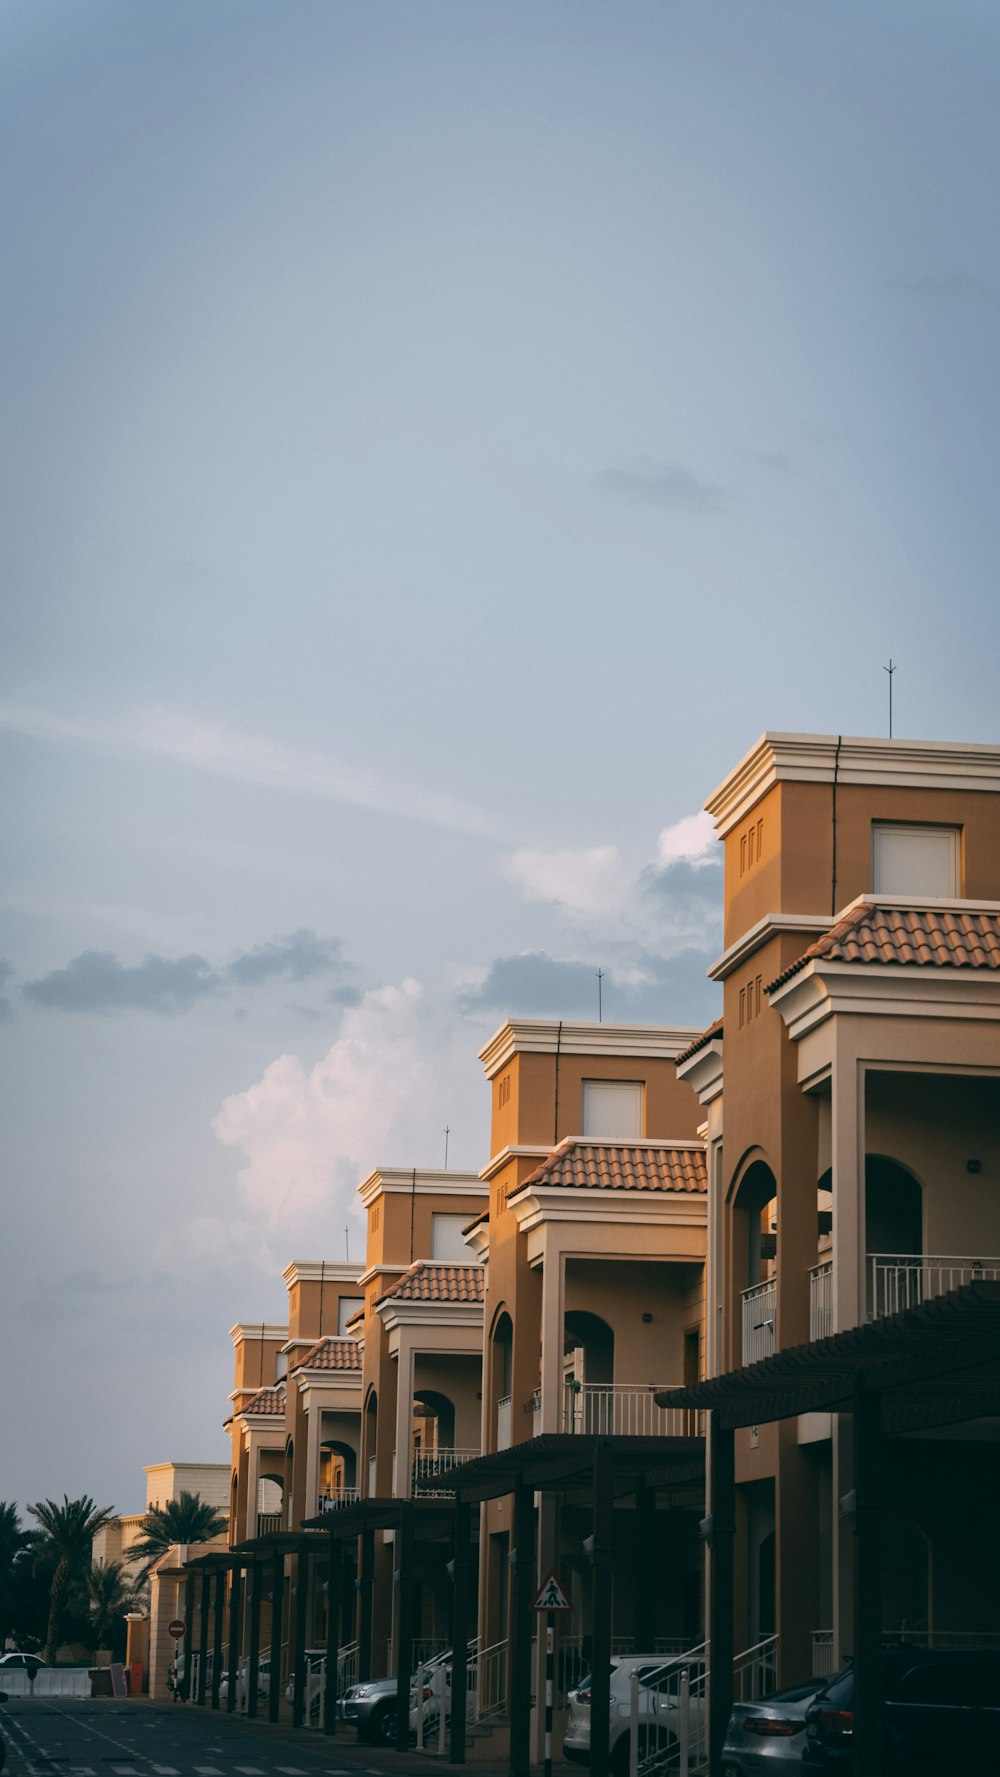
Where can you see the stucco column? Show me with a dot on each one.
(253, 1485)
(847, 1160)
(314, 1421)
(552, 1342)
(403, 1444)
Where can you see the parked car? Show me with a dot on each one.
(769, 1737)
(263, 1682)
(659, 1710)
(371, 1707)
(314, 1657)
(437, 1678)
(19, 1662)
(940, 1713)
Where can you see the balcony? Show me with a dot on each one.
(626, 1410)
(504, 1422)
(758, 1305)
(430, 1465)
(335, 1497)
(821, 1300)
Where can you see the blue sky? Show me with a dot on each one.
(436, 441)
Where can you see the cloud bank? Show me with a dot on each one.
(97, 981)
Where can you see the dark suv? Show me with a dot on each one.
(940, 1713)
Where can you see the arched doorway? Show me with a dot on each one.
(894, 1235)
(588, 1373)
(755, 1249)
(502, 1379)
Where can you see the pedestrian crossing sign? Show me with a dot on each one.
(552, 1596)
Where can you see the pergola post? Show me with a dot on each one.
(253, 1670)
(366, 1586)
(522, 1557)
(204, 1602)
(189, 1583)
(299, 1643)
(235, 1616)
(600, 1634)
(334, 1591)
(217, 1635)
(720, 1534)
(404, 1626)
(646, 1580)
(459, 1628)
(277, 1604)
(867, 1602)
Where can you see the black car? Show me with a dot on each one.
(940, 1713)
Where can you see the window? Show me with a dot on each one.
(612, 1109)
(349, 1306)
(446, 1238)
(916, 861)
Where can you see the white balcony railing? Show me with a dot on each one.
(334, 1497)
(503, 1422)
(371, 1476)
(534, 1407)
(821, 1300)
(626, 1410)
(430, 1465)
(904, 1280)
(758, 1320)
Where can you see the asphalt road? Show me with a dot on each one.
(55, 1737)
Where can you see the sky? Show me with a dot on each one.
(436, 441)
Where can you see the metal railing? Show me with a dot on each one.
(430, 1465)
(335, 1497)
(755, 1671)
(626, 1410)
(314, 1714)
(758, 1306)
(821, 1300)
(948, 1640)
(667, 1716)
(904, 1280)
(822, 1653)
(504, 1422)
(268, 1523)
(490, 1667)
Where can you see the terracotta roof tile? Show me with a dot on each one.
(476, 1221)
(622, 1166)
(332, 1354)
(429, 1281)
(266, 1400)
(702, 1042)
(906, 936)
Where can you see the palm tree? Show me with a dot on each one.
(14, 1543)
(188, 1519)
(69, 1530)
(111, 1594)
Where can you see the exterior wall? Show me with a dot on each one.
(934, 1124)
(166, 1481)
(621, 1293)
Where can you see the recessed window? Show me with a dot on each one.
(349, 1306)
(916, 862)
(446, 1239)
(612, 1109)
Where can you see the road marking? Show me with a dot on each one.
(166, 1770)
(213, 1771)
(291, 1770)
(249, 1770)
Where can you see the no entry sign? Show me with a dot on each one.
(176, 1628)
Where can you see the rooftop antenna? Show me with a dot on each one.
(890, 669)
(447, 1132)
(600, 997)
(347, 1242)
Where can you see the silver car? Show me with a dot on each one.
(371, 1708)
(769, 1737)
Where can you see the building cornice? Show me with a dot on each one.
(268, 1329)
(547, 1037)
(703, 1071)
(430, 1315)
(650, 1209)
(514, 1151)
(852, 759)
(771, 925)
(320, 1271)
(405, 1180)
(825, 989)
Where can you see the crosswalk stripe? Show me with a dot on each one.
(166, 1770)
(291, 1770)
(211, 1771)
(249, 1770)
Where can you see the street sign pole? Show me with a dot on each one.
(550, 1643)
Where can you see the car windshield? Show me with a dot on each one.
(840, 1690)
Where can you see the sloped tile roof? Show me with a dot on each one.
(476, 1221)
(941, 938)
(702, 1042)
(430, 1281)
(266, 1400)
(332, 1354)
(622, 1166)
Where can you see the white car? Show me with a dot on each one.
(660, 1701)
(18, 1662)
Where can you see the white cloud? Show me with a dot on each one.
(250, 759)
(689, 839)
(400, 1069)
(588, 883)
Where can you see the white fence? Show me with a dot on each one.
(48, 1681)
(821, 1300)
(336, 1497)
(626, 1409)
(904, 1280)
(503, 1422)
(430, 1465)
(758, 1320)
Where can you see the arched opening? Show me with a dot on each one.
(755, 1250)
(338, 1469)
(894, 1210)
(589, 1347)
(270, 1499)
(433, 1421)
(502, 1379)
(371, 1441)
